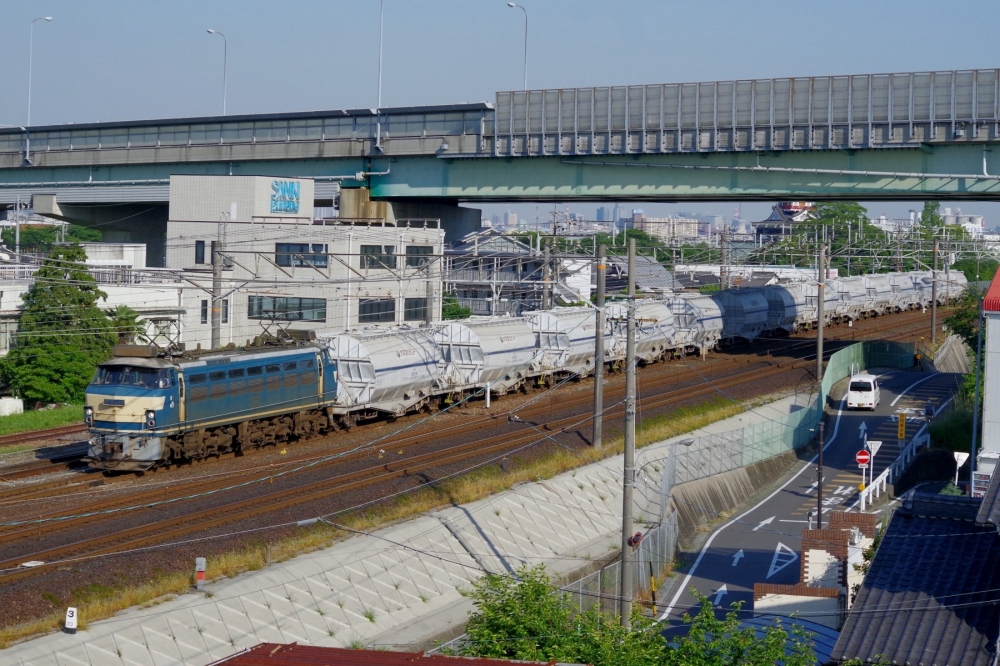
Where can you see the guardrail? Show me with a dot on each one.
(921, 439)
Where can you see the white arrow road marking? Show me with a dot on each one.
(737, 557)
(862, 429)
(682, 588)
(783, 556)
(721, 592)
(764, 522)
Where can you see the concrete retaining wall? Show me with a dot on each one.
(700, 502)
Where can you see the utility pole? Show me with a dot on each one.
(934, 296)
(547, 281)
(629, 467)
(216, 294)
(975, 399)
(820, 303)
(819, 471)
(599, 350)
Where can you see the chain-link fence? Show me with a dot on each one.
(652, 561)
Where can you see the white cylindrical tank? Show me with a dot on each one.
(389, 371)
(509, 349)
(654, 330)
(878, 288)
(580, 325)
(904, 292)
(697, 321)
(786, 307)
(744, 313)
(551, 339)
(852, 298)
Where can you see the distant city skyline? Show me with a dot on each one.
(754, 211)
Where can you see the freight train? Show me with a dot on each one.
(146, 408)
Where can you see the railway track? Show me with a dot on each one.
(188, 522)
(653, 376)
(38, 435)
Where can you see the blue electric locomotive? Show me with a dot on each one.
(144, 408)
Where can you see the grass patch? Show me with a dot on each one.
(40, 420)
(97, 602)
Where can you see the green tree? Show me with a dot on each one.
(711, 641)
(127, 326)
(63, 335)
(44, 237)
(930, 216)
(521, 616)
(450, 308)
(964, 319)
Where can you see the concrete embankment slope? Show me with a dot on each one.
(406, 585)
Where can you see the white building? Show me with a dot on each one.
(282, 268)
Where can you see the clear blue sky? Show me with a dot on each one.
(128, 59)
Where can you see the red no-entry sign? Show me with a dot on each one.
(863, 457)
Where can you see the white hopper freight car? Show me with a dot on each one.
(786, 308)
(744, 313)
(852, 298)
(655, 336)
(392, 371)
(490, 350)
(879, 290)
(551, 340)
(697, 322)
(580, 325)
(905, 293)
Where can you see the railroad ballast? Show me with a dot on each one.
(146, 408)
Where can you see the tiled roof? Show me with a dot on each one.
(275, 654)
(649, 273)
(992, 301)
(932, 595)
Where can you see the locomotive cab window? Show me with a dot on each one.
(123, 375)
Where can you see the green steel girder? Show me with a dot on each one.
(902, 174)
(940, 172)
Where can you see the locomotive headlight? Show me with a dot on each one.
(88, 415)
(150, 418)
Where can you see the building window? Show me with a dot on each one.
(300, 254)
(415, 309)
(204, 312)
(418, 255)
(378, 256)
(286, 308)
(199, 252)
(225, 310)
(376, 310)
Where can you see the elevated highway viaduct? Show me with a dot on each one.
(902, 136)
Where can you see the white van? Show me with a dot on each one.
(863, 392)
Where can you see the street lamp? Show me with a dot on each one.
(512, 5)
(31, 52)
(378, 104)
(225, 64)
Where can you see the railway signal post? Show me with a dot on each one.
(628, 539)
(820, 298)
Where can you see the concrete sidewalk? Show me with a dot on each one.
(403, 585)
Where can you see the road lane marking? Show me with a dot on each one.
(783, 556)
(764, 522)
(737, 557)
(711, 538)
(907, 389)
(721, 592)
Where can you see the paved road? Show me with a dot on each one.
(762, 544)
